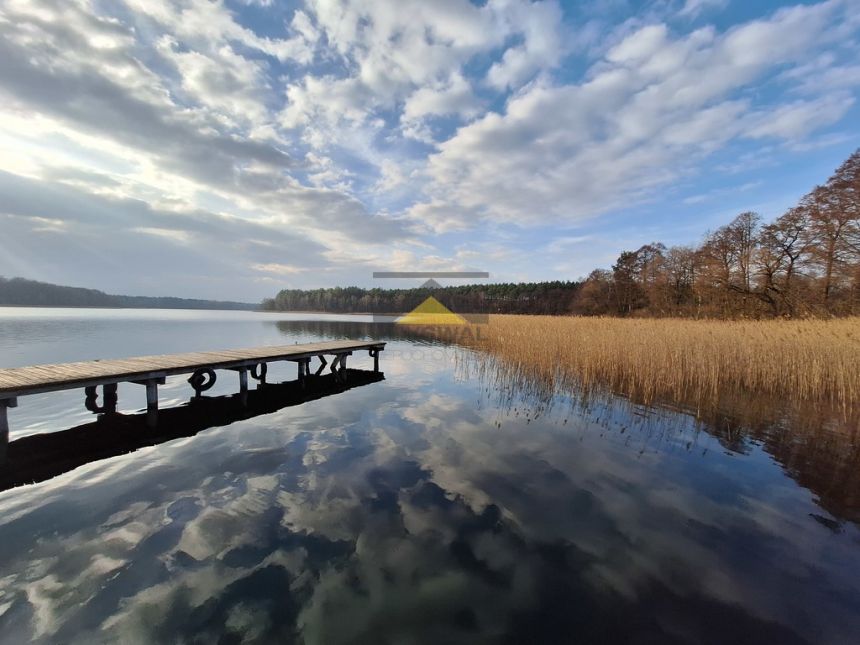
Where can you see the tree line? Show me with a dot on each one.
(508, 298)
(30, 293)
(804, 263)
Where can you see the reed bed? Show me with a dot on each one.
(685, 361)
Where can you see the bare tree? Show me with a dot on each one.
(834, 214)
(782, 246)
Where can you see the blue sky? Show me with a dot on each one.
(227, 149)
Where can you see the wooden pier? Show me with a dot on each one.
(151, 371)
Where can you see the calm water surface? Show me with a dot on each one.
(430, 507)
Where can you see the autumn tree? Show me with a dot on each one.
(783, 247)
(627, 290)
(595, 297)
(835, 227)
(675, 293)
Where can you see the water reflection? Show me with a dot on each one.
(427, 509)
(39, 457)
(361, 330)
(818, 447)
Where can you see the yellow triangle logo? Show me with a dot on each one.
(431, 312)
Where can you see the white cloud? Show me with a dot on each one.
(208, 24)
(233, 85)
(693, 8)
(207, 143)
(452, 97)
(413, 54)
(565, 152)
(174, 235)
(542, 47)
(795, 120)
(363, 128)
(278, 268)
(640, 46)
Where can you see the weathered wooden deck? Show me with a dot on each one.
(152, 370)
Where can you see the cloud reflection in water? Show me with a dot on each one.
(423, 510)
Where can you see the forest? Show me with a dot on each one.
(30, 293)
(523, 298)
(804, 263)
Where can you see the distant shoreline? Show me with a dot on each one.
(261, 311)
(22, 292)
(10, 306)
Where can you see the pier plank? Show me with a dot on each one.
(18, 381)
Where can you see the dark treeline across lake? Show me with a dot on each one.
(30, 293)
(447, 503)
(522, 298)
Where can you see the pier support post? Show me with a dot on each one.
(151, 399)
(5, 404)
(109, 394)
(338, 366)
(258, 372)
(323, 363)
(109, 399)
(243, 385)
(375, 354)
(152, 403)
(304, 371)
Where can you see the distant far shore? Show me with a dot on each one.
(4, 305)
(257, 309)
(20, 292)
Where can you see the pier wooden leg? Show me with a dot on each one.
(109, 399)
(151, 399)
(91, 399)
(304, 371)
(109, 395)
(5, 404)
(258, 372)
(152, 403)
(375, 354)
(338, 366)
(323, 363)
(243, 386)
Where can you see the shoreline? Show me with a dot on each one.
(6, 306)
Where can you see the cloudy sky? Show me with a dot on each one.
(229, 148)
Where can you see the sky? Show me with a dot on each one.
(230, 148)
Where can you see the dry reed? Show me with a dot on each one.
(684, 361)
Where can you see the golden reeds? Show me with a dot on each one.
(677, 360)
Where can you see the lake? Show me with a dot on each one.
(439, 505)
